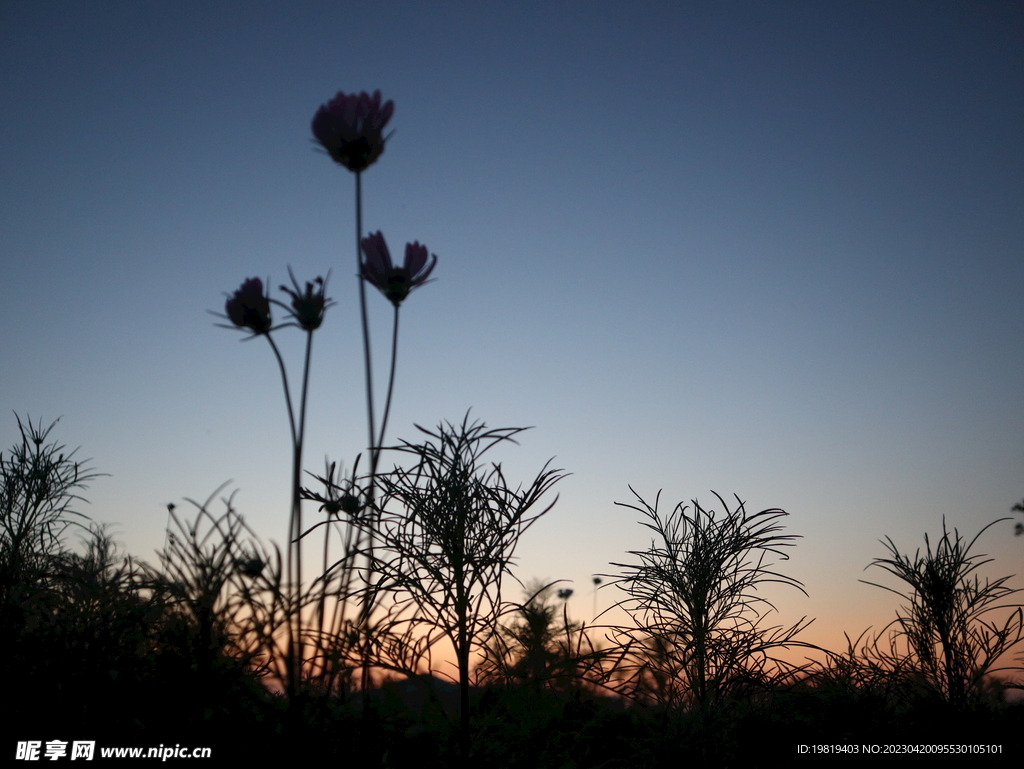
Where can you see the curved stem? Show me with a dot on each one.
(294, 626)
(287, 391)
(387, 403)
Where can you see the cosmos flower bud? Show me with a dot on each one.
(307, 307)
(249, 307)
(347, 503)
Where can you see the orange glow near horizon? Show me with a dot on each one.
(808, 649)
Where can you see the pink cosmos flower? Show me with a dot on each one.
(249, 307)
(350, 128)
(395, 282)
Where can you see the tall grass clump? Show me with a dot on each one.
(39, 484)
(39, 481)
(956, 625)
(538, 645)
(699, 641)
(449, 526)
(871, 670)
(226, 593)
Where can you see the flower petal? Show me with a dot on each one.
(415, 257)
(419, 280)
(378, 259)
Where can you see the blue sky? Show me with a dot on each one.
(766, 249)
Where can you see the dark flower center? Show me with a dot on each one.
(398, 287)
(357, 154)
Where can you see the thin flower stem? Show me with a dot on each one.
(300, 440)
(365, 320)
(287, 391)
(294, 566)
(323, 589)
(387, 402)
(374, 457)
(369, 412)
(346, 582)
(297, 495)
(294, 621)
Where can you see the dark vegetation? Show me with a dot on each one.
(205, 647)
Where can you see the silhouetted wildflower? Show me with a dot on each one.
(395, 282)
(251, 567)
(346, 503)
(565, 593)
(308, 308)
(249, 307)
(350, 128)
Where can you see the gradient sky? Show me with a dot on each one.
(770, 249)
